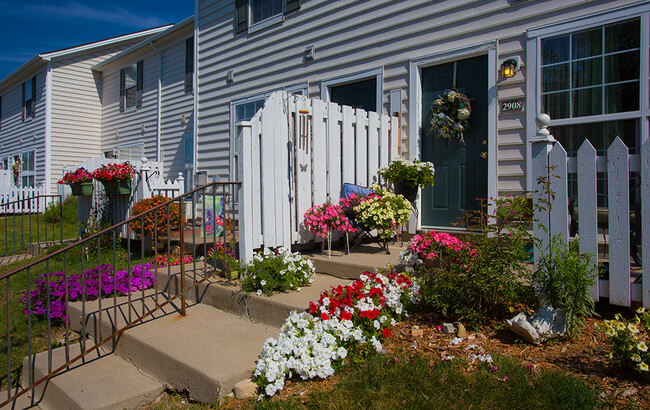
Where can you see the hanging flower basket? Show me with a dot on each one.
(117, 187)
(82, 188)
(410, 193)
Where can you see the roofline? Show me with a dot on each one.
(182, 24)
(76, 49)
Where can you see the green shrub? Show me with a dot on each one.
(70, 211)
(562, 279)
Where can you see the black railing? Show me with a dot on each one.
(25, 222)
(117, 292)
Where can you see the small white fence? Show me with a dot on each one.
(146, 183)
(550, 161)
(296, 153)
(12, 196)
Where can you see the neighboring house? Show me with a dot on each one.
(148, 101)
(50, 110)
(583, 62)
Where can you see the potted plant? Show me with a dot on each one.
(116, 178)
(80, 181)
(407, 176)
(15, 171)
(384, 211)
(154, 224)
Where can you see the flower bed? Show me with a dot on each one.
(629, 341)
(345, 320)
(435, 246)
(157, 221)
(140, 277)
(164, 260)
(276, 270)
(217, 253)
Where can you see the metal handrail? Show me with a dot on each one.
(146, 311)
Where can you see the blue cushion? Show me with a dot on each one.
(355, 189)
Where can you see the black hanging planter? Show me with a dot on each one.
(406, 191)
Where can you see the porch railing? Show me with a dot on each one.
(549, 161)
(25, 222)
(125, 298)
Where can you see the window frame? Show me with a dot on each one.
(534, 84)
(130, 146)
(27, 173)
(353, 78)
(189, 65)
(243, 16)
(139, 82)
(29, 102)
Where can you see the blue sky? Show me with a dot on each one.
(30, 27)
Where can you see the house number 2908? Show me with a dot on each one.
(512, 106)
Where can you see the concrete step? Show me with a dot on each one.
(100, 381)
(205, 353)
(365, 257)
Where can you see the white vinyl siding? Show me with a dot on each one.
(351, 37)
(17, 135)
(76, 109)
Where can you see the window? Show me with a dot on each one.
(28, 169)
(590, 86)
(4, 163)
(132, 152)
(131, 86)
(592, 72)
(251, 12)
(29, 98)
(1, 117)
(189, 64)
(360, 94)
(246, 111)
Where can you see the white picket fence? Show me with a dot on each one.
(147, 182)
(551, 157)
(296, 153)
(22, 200)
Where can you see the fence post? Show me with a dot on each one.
(181, 183)
(244, 133)
(143, 190)
(541, 145)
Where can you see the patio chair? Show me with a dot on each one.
(362, 231)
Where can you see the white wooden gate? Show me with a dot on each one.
(549, 157)
(296, 153)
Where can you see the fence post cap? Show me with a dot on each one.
(543, 134)
(144, 166)
(243, 124)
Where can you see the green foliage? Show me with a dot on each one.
(486, 285)
(412, 174)
(513, 212)
(277, 270)
(411, 381)
(562, 279)
(70, 211)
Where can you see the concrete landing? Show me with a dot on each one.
(365, 257)
(101, 381)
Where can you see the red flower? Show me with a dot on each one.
(345, 315)
(324, 316)
(386, 333)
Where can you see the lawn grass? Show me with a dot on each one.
(382, 382)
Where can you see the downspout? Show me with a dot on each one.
(195, 125)
(159, 104)
(48, 130)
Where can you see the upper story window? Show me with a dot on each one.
(189, 64)
(29, 98)
(358, 94)
(249, 13)
(131, 86)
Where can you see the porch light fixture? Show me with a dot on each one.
(510, 67)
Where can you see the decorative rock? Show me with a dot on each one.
(448, 328)
(461, 332)
(245, 389)
(545, 323)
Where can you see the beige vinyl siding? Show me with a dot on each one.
(76, 108)
(355, 36)
(176, 103)
(134, 125)
(18, 136)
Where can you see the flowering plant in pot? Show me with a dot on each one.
(407, 176)
(115, 177)
(384, 211)
(80, 181)
(323, 219)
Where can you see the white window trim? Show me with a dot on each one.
(533, 87)
(135, 107)
(261, 25)
(415, 109)
(26, 174)
(326, 85)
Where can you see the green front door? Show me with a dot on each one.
(461, 168)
